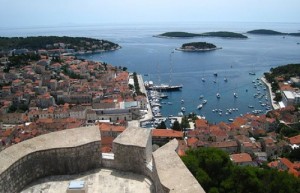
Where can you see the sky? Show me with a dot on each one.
(22, 13)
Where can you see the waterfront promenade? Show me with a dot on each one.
(149, 114)
(272, 95)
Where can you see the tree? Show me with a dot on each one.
(216, 173)
(185, 122)
(176, 126)
(162, 125)
(278, 97)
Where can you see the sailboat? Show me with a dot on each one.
(166, 87)
(252, 72)
(218, 94)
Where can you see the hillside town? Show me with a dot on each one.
(58, 92)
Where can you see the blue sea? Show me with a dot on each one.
(156, 58)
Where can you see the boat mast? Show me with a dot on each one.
(171, 68)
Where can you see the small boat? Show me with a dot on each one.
(215, 74)
(204, 102)
(180, 114)
(161, 95)
(235, 95)
(250, 106)
(218, 95)
(182, 109)
(225, 79)
(231, 120)
(182, 101)
(169, 103)
(201, 97)
(203, 80)
(199, 106)
(251, 73)
(145, 74)
(215, 81)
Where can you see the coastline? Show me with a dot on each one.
(274, 104)
(197, 50)
(96, 51)
(169, 37)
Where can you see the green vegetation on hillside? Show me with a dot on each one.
(198, 46)
(44, 42)
(222, 34)
(286, 72)
(265, 32)
(216, 173)
(178, 34)
(271, 32)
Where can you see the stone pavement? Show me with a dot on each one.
(274, 104)
(100, 181)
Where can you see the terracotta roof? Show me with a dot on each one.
(192, 141)
(224, 144)
(241, 157)
(166, 133)
(295, 139)
(286, 162)
(291, 167)
(109, 127)
(273, 164)
(201, 123)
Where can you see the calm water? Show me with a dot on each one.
(145, 54)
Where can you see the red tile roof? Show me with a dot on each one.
(241, 157)
(201, 123)
(166, 133)
(192, 141)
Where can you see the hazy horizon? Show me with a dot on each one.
(29, 13)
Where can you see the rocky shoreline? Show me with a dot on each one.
(197, 50)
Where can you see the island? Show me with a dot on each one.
(222, 34)
(71, 45)
(270, 32)
(197, 47)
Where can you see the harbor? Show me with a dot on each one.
(236, 67)
(159, 100)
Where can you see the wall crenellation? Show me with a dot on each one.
(50, 162)
(74, 151)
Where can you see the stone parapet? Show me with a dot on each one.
(171, 171)
(58, 153)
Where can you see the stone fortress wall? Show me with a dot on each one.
(77, 150)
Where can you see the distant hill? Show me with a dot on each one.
(52, 42)
(271, 32)
(222, 34)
